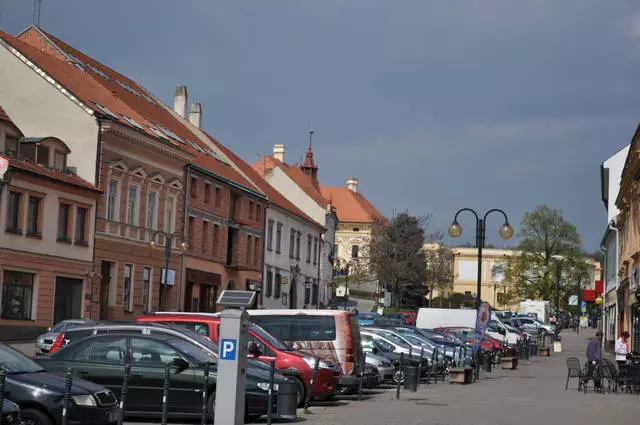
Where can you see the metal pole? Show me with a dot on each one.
(205, 389)
(311, 383)
(167, 258)
(346, 287)
(2, 380)
(123, 392)
(400, 375)
(272, 372)
(363, 362)
(479, 244)
(66, 400)
(420, 365)
(165, 394)
(558, 271)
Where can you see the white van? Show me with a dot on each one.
(431, 318)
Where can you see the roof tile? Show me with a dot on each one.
(351, 207)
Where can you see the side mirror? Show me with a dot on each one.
(180, 364)
(254, 350)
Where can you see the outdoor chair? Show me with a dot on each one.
(574, 371)
(611, 375)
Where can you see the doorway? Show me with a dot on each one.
(105, 284)
(208, 298)
(68, 299)
(293, 295)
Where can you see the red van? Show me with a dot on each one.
(263, 347)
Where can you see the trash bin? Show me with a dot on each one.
(287, 400)
(533, 349)
(411, 378)
(486, 361)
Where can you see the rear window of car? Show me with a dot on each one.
(74, 335)
(298, 327)
(197, 327)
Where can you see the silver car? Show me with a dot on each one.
(45, 341)
(384, 366)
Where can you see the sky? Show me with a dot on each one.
(433, 105)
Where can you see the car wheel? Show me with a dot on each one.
(35, 417)
(300, 391)
(398, 376)
(211, 404)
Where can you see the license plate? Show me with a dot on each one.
(113, 415)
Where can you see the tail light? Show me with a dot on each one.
(57, 344)
(351, 358)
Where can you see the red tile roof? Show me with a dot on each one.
(4, 116)
(351, 207)
(305, 182)
(96, 84)
(65, 178)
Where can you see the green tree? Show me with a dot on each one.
(547, 238)
(397, 257)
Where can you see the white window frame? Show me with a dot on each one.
(169, 227)
(116, 208)
(136, 205)
(154, 218)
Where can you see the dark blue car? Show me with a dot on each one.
(367, 319)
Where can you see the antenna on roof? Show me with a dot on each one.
(37, 4)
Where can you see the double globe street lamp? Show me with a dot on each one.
(168, 244)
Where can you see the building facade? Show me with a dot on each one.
(47, 224)
(610, 176)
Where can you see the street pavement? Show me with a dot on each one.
(534, 394)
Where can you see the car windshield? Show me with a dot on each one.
(59, 327)
(277, 344)
(200, 339)
(12, 361)
(395, 339)
(419, 341)
(367, 316)
(193, 351)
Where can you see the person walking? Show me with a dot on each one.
(594, 359)
(622, 348)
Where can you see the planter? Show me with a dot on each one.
(545, 352)
(461, 375)
(509, 362)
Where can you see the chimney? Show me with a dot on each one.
(195, 115)
(278, 152)
(352, 184)
(180, 101)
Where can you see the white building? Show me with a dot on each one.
(610, 176)
(299, 185)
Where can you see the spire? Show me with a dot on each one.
(309, 167)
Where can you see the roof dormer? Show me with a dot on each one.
(49, 152)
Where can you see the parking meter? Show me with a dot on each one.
(232, 362)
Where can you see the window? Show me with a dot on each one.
(270, 236)
(251, 209)
(256, 251)
(279, 238)
(194, 187)
(132, 206)
(11, 146)
(264, 349)
(218, 199)
(307, 290)
(59, 161)
(249, 248)
(501, 298)
(278, 285)
(152, 217)
(191, 228)
(17, 295)
(314, 295)
(146, 288)
(205, 236)
(298, 237)
(147, 352)
(169, 218)
(102, 350)
(356, 229)
(128, 288)
(13, 212)
(43, 156)
(309, 242)
(315, 250)
(207, 193)
(335, 250)
(81, 225)
(112, 207)
(289, 328)
(216, 238)
(33, 216)
(63, 222)
(292, 243)
(355, 251)
(269, 283)
(258, 212)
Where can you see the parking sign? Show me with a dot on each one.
(228, 348)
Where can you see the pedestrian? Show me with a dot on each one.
(622, 348)
(594, 358)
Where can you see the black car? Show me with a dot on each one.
(39, 394)
(102, 357)
(10, 414)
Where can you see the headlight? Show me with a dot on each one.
(84, 400)
(264, 386)
(312, 363)
(40, 340)
(380, 364)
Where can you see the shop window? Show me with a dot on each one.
(17, 295)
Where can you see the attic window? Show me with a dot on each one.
(11, 148)
(132, 122)
(158, 133)
(106, 111)
(171, 134)
(195, 146)
(356, 229)
(59, 161)
(99, 72)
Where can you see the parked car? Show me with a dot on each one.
(531, 325)
(382, 364)
(10, 414)
(332, 334)
(367, 319)
(455, 349)
(468, 335)
(265, 348)
(102, 357)
(45, 341)
(39, 393)
(407, 317)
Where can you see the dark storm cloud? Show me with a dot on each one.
(434, 105)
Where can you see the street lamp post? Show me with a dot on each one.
(168, 243)
(506, 232)
(346, 285)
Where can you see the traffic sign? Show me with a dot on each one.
(228, 348)
(573, 300)
(583, 306)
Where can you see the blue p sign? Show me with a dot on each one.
(228, 348)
